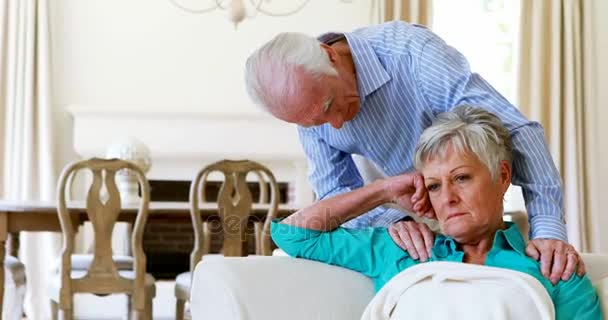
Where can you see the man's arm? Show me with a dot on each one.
(333, 172)
(446, 80)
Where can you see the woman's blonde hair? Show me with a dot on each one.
(466, 129)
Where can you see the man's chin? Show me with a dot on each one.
(354, 111)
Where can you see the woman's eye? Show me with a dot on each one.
(432, 187)
(462, 177)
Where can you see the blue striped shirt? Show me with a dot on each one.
(406, 75)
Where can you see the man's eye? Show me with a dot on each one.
(327, 105)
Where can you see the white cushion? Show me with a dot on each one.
(287, 288)
(83, 261)
(14, 288)
(183, 280)
(279, 253)
(14, 271)
(182, 286)
(259, 287)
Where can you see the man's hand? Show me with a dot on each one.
(558, 259)
(408, 191)
(417, 239)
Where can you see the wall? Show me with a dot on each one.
(149, 55)
(598, 118)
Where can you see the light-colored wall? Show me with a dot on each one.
(147, 54)
(598, 112)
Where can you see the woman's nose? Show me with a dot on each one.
(449, 194)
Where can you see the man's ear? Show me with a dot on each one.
(333, 55)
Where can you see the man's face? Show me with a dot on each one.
(331, 99)
(336, 106)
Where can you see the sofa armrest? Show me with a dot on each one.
(258, 287)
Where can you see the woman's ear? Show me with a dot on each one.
(505, 175)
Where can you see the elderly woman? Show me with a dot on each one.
(465, 162)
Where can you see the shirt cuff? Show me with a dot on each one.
(548, 227)
(388, 217)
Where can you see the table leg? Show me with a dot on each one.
(3, 236)
(12, 244)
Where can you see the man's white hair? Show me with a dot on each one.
(466, 129)
(271, 71)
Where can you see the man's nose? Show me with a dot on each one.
(337, 122)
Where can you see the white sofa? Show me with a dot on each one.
(286, 288)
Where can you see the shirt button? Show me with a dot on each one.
(369, 148)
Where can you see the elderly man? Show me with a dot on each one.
(371, 92)
(465, 160)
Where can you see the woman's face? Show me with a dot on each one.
(467, 202)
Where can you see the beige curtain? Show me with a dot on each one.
(553, 78)
(412, 11)
(26, 135)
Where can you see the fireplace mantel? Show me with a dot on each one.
(183, 141)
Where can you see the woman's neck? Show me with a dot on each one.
(476, 253)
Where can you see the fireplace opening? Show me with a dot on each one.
(168, 240)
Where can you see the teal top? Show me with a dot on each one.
(372, 252)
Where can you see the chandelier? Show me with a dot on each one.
(238, 10)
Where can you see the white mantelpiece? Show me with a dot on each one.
(182, 142)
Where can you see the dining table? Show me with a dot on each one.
(17, 216)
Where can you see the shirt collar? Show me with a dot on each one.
(371, 74)
(510, 238)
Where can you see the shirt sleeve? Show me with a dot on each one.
(577, 299)
(333, 172)
(445, 78)
(361, 250)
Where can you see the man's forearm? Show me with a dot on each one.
(533, 169)
(330, 213)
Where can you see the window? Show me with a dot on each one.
(486, 32)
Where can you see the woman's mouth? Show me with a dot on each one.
(455, 215)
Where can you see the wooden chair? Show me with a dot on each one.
(102, 276)
(82, 261)
(234, 208)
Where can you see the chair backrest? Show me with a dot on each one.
(102, 276)
(234, 203)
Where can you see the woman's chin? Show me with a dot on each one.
(458, 228)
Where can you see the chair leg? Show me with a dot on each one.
(179, 309)
(148, 308)
(54, 310)
(146, 313)
(66, 314)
